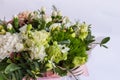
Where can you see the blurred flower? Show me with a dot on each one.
(83, 31)
(54, 26)
(65, 20)
(43, 9)
(2, 30)
(8, 44)
(19, 47)
(23, 29)
(9, 26)
(38, 52)
(59, 13)
(15, 16)
(47, 18)
(23, 17)
(54, 13)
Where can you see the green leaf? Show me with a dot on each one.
(13, 76)
(17, 75)
(3, 66)
(15, 22)
(104, 46)
(2, 76)
(30, 73)
(105, 40)
(20, 74)
(60, 71)
(11, 67)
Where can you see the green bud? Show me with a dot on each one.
(73, 35)
(16, 21)
(71, 30)
(55, 42)
(29, 27)
(1, 27)
(49, 66)
(2, 31)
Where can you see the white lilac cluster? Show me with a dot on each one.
(9, 43)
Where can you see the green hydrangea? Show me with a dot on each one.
(77, 61)
(54, 53)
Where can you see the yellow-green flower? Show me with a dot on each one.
(83, 31)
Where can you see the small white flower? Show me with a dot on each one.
(59, 13)
(15, 16)
(54, 13)
(47, 18)
(55, 25)
(9, 26)
(64, 48)
(43, 9)
(65, 20)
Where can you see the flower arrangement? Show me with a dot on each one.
(33, 43)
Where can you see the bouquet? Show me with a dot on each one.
(34, 44)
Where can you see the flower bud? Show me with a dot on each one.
(65, 20)
(29, 27)
(15, 21)
(47, 18)
(1, 27)
(73, 35)
(54, 13)
(43, 9)
(2, 31)
(59, 13)
(15, 16)
(9, 26)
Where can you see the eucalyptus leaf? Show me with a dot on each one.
(105, 40)
(104, 46)
(13, 76)
(2, 76)
(11, 67)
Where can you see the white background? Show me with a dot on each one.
(104, 15)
